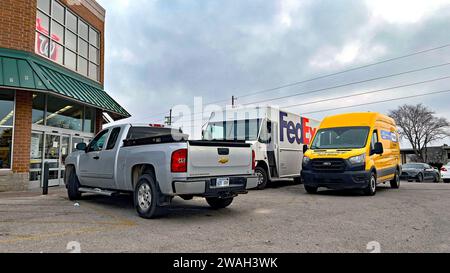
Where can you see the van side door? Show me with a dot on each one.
(379, 160)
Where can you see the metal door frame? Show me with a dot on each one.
(60, 132)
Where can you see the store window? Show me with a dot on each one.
(38, 108)
(66, 39)
(89, 120)
(64, 114)
(6, 128)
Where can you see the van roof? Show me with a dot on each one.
(355, 119)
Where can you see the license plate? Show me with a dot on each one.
(222, 182)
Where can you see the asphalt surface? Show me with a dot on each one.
(282, 218)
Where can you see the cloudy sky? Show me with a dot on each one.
(162, 53)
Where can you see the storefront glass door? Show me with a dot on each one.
(52, 152)
(52, 148)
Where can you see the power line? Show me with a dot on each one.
(349, 84)
(348, 70)
(368, 92)
(334, 74)
(358, 94)
(341, 85)
(381, 101)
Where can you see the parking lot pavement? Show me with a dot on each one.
(282, 218)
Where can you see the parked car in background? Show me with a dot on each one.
(445, 173)
(420, 172)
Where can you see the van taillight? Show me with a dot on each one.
(253, 160)
(179, 161)
(443, 169)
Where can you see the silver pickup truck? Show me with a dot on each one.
(156, 164)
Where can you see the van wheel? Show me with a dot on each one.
(395, 183)
(146, 195)
(73, 185)
(219, 203)
(371, 189)
(311, 189)
(262, 176)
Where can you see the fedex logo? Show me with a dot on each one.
(299, 132)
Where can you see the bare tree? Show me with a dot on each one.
(420, 127)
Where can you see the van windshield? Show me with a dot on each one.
(341, 138)
(233, 130)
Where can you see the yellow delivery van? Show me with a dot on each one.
(353, 151)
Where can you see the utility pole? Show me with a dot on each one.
(169, 118)
(233, 99)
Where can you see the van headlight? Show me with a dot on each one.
(359, 159)
(306, 160)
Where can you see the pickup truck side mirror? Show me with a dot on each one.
(305, 148)
(81, 146)
(378, 149)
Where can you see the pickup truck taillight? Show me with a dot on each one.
(179, 161)
(253, 160)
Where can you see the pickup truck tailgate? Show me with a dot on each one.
(206, 158)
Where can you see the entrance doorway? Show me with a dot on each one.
(52, 147)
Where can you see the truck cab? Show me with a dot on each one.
(353, 151)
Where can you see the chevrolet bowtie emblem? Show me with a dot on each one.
(223, 160)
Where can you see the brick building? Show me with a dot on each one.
(51, 86)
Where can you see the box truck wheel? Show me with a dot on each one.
(371, 188)
(262, 176)
(219, 203)
(310, 189)
(146, 196)
(395, 183)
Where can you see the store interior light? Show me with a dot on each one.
(7, 117)
(62, 110)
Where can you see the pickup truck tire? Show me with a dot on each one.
(395, 183)
(146, 196)
(73, 184)
(219, 203)
(262, 176)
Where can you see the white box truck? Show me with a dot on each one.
(277, 138)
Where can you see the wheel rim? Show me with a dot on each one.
(397, 179)
(260, 177)
(144, 196)
(420, 178)
(373, 183)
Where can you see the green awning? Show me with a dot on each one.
(25, 70)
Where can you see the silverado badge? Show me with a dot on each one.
(223, 160)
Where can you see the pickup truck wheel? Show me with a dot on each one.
(72, 186)
(262, 177)
(146, 196)
(219, 203)
(395, 183)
